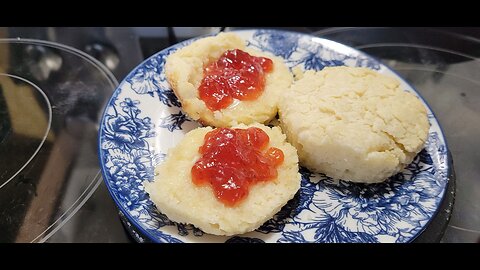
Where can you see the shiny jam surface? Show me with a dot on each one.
(234, 159)
(236, 74)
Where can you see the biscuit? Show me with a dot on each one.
(175, 195)
(184, 72)
(353, 124)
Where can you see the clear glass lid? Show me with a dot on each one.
(51, 98)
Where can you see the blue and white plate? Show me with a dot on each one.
(143, 119)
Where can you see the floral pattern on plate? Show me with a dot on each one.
(144, 119)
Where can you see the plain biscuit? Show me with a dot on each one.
(353, 123)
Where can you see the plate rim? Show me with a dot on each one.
(118, 88)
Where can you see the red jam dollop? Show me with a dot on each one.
(236, 74)
(234, 159)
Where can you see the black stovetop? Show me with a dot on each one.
(51, 188)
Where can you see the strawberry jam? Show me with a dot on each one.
(234, 159)
(236, 74)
